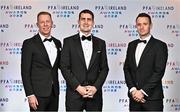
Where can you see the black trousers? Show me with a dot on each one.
(49, 103)
(149, 105)
(88, 104)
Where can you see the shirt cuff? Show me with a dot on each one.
(31, 95)
(144, 92)
(132, 89)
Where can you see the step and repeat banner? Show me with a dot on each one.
(114, 22)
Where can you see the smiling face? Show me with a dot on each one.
(86, 23)
(44, 23)
(143, 26)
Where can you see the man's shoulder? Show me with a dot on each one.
(75, 36)
(29, 42)
(133, 42)
(56, 39)
(31, 39)
(158, 41)
(98, 38)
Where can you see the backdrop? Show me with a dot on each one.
(114, 22)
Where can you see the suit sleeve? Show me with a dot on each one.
(26, 59)
(66, 66)
(127, 74)
(159, 68)
(103, 68)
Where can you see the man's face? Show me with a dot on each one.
(44, 24)
(143, 26)
(86, 23)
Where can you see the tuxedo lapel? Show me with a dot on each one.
(146, 49)
(133, 53)
(95, 51)
(42, 49)
(58, 47)
(79, 49)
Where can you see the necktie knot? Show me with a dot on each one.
(86, 38)
(144, 41)
(50, 39)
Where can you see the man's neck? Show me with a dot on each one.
(145, 36)
(44, 35)
(85, 33)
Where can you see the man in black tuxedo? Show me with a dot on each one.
(84, 66)
(144, 68)
(39, 66)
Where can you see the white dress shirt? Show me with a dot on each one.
(140, 48)
(87, 49)
(50, 48)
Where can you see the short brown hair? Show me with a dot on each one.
(43, 13)
(144, 15)
(86, 11)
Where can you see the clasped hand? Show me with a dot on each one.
(138, 96)
(86, 91)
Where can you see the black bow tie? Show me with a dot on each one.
(144, 41)
(47, 40)
(86, 38)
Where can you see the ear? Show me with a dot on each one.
(135, 25)
(37, 25)
(93, 23)
(151, 25)
(52, 24)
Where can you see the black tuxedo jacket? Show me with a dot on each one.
(148, 74)
(38, 75)
(74, 69)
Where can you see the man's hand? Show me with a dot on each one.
(138, 96)
(82, 91)
(91, 91)
(86, 91)
(33, 102)
(134, 92)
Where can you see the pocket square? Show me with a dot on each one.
(60, 49)
(98, 51)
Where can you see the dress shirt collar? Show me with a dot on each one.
(43, 37)
(147, 38)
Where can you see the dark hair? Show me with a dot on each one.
(43, 13)
(86, 11)
(144, 15)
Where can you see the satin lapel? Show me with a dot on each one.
(79, 49)
(95, 50)
(134, 52)
(146, 49)
(58, 50)
(42, 49)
